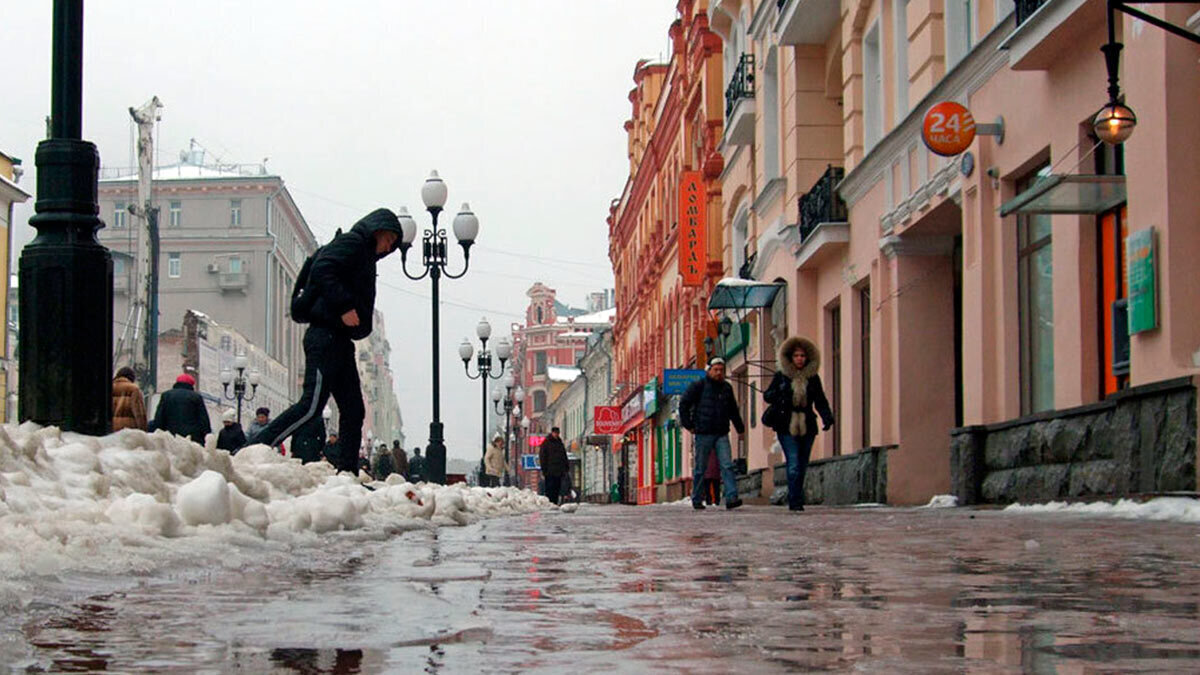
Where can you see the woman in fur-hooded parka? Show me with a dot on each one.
(795, 398)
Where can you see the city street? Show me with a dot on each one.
(660, 588)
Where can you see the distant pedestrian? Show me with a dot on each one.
(552, 457)
(400, 459)
(262, 417)
(129, 406)
(792, 396)
(494, 464)
(707, 408)
(416, 467)
(181, 411)
(231, 438)
(381, 465)
(331, 449)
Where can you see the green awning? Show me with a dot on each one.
(743, 294)
(1059, 193)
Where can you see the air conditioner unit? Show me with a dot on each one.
(213, 268)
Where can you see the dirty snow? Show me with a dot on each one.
(1179, 509)
(133, 502)
(942, 502)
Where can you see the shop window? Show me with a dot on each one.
(1035, 277)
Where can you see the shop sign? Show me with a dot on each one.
(632, 407)
(606, 419)
(693, 231)
(948, 129)
(676, 380)
(737, 340)
(1139, 251)
(536, 440)
(650, 397)
(530, 463)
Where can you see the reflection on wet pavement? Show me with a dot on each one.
(660, 589)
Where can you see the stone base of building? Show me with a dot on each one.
(1139, 440)
(860, 478)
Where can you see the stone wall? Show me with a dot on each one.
(860, 478)
(1140, 440)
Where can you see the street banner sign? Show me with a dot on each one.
(535, 440)
(948, 129)
(1139, 251)
(607, 419)
(530, 463)
(693, 228)
(676, 381)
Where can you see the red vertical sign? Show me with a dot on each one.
(693, 231)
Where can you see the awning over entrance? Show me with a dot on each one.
(732, 293)
(1060, 193)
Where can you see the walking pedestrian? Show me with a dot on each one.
(494, 464)
(381, 464)
(707, 408)
(338, 298)
(129, 406)
(330, 453)
(793, 394)
(416, 467)
(552, 457)
(181, 411)
(400, 459)
(262, 417)
(231, 438)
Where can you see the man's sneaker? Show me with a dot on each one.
(732, 504)
(698, 506)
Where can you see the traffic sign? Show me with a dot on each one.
(948, 128)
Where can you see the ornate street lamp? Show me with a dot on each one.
(434, 258)
(239, 382)
(483, 372)
(508, 400)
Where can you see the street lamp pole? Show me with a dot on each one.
(66, 276)
(483, 372)
(239, 382)
(434, 258)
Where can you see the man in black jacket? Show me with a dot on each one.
(340, 300)
(181, 411)
(552, 457)
(707, 409)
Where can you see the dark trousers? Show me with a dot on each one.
(553, 486)
(329, 369)
(796, 449)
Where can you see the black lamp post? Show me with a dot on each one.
(239, 382)
(483, 372)
(434, 258)
(509, 400)
(66, 276)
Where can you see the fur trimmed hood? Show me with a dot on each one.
(784, 361)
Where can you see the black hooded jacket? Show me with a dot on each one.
(181, 411)
(343, 275)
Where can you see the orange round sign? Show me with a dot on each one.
(948, 129)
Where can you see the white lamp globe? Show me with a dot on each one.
(254, 377)
(408, 226)
(240, 361)
(504, 349)
(496, 395)
(433, 192)
(465, 350)
(483, 329)
(466, 225)
(508, 381)
(519, 394)
(525, 423)
(226, 376)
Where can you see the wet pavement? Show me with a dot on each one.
(658, 589)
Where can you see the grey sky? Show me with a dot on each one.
(518, 104)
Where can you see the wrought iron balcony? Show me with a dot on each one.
(1026, 8)
(741, 85)
(821, 204)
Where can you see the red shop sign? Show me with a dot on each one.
(693, 230)
(948, 129)
(607, 419)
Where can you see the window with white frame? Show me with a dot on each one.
(872, 89)
(235, 213)
(118, 266)
(771, 116)
(960, 30)
(119, 215)
(900, 40)
(174, 265)
(235, 265)
(175, 213)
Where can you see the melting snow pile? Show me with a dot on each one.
(132, 501)
(942, 502)
(1161, 508)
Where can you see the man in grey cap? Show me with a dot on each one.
(707, 409)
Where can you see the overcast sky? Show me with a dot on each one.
(519, 105)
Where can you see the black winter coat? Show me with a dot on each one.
(181, 411)
(779, 393)
(709, 407)
(231, 438)
(552, 456)
(342, 277)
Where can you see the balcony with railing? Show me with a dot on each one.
(233, 281)
(739, 103)
(1042, 27)
(1026, 8)
(822, 226)
(807, 22)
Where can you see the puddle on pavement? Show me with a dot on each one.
(888, 591)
